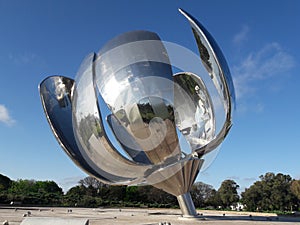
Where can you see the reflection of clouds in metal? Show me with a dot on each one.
(165, 124)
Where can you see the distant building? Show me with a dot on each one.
(237, 207)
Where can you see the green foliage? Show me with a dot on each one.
(81, 196)
(5, 183)
(277, 193)
(132, 194)
(31, 192)
(29, 186)
(295, 188)
(204, 195)
(272, 192)
(74, 196)
(157, 196)
(228, 193)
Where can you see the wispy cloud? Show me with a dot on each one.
(25, 58)
(264, 64)
(241, 36)
(233, 178)
(5, 116)
(249, 179)
(242, 179)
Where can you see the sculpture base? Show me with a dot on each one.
(186, 205)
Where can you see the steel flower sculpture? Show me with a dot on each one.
(128, 119)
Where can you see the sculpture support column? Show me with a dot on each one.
(186, 205)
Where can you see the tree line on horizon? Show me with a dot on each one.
(273, 192)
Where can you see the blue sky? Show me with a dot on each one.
(260, 40)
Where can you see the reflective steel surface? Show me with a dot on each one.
(130, 66)
(195, 117)
(91, 138)
(129, 119)
(216, 65)
(56, 96)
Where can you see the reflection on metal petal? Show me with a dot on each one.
(90, 134)
(56, 97)
(194, 110)
(132, 149)
(125, 76)
(216, 65)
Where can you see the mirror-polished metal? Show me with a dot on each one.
(126, 116)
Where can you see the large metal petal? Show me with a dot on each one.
(56, 96)
(134, 77)
(216, 65)
(91, 136)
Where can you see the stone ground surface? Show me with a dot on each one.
(139, 216)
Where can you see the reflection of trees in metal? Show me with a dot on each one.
(204, 54)
(188, 84)
(89, 126)
(164, 110)
(146, 112)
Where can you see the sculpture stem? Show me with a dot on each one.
(186, 205)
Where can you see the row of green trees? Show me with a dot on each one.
(29, 192)
(272, 192)
(205, 195)
(88, 193)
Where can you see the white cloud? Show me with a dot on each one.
(26, 58)
(233, 178)
(250, 179)
(264, 64)
(5, 117)
(242, 35)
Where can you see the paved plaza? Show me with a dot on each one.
(128, 216)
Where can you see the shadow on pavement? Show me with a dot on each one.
(254, 218)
